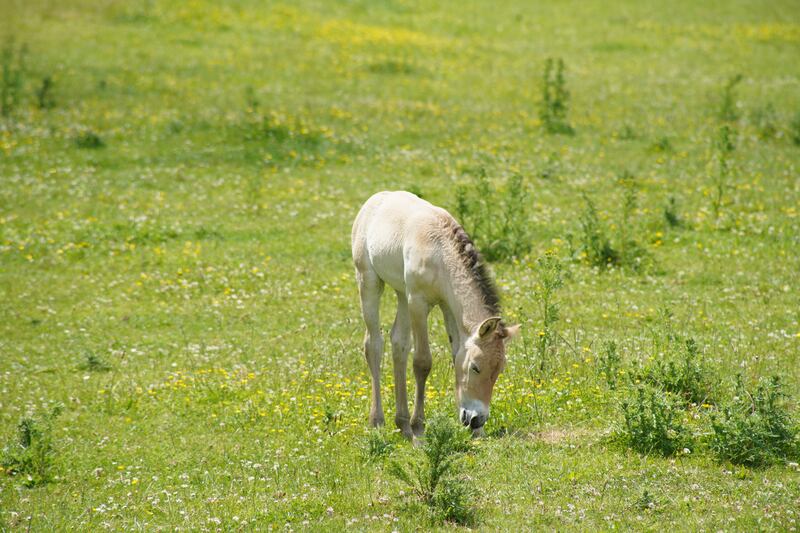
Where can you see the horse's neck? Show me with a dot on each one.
(465, 303)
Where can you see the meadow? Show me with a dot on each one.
(180, 337)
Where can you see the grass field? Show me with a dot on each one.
(175, 272)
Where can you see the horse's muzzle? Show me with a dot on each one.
(472, 419)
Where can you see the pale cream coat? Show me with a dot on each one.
(421, 252)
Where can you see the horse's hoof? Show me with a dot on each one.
(376, 421)
(418, 427)
(402, 423)
(405, 430)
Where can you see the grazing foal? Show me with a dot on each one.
(421, 252)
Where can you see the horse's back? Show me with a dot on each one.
(392, 228)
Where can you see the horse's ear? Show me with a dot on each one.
(510, 332)
(489, 326)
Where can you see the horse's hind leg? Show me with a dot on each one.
(401, 344)
(370, 288)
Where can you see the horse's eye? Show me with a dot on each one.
(474, 368)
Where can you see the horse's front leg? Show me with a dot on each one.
(401, 344)
(418, 311)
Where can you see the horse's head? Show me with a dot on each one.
(478, 364)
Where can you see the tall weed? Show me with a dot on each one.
(551, 279)
(598, 247)
(727, 108)
(497, 218)
(555, 99)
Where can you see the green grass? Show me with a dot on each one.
(199, 252)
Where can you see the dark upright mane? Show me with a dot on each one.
(473, 260)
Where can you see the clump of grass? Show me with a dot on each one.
(662, 145)
(645, 502)
(626, 133)
(552, 166)
(652, 423)
(432, 477)
(331, 419)
(755, 428)
(765, 121)
(94, 363)
(281, 136)
(609, 363)
(88, 139)
(727, 108)
(31, 456)
(555, 99)
(12, 66)
(681, 372)
(391, 66)
(377, 446)
(416, 190)
(496, 218)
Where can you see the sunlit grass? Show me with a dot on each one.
(175, 273)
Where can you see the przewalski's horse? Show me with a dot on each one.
(421, 252)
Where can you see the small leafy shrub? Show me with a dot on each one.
(755, 428)
(727, 109)
(652, 423)
(682, 373)
(794, 129)
(87, 139)
(496, 218)
(555, 99)
(431, 474)
(31, 456)
(609, 363)
(12, 66)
